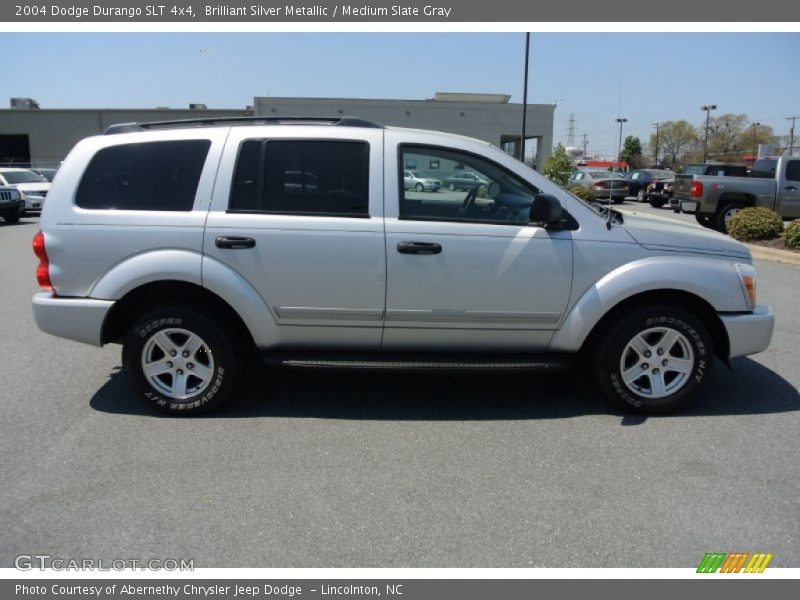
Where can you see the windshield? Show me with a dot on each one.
(22, 177)
(605, 175)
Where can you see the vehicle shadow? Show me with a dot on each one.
(412, 396)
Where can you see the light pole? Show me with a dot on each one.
(620, 120)
(656, 125)
(791, 134)
(525, 98)
(755, 130)
(708, 108)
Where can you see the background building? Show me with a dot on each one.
(32, 135)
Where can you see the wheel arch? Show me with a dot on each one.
(678, 298)
(151, 295)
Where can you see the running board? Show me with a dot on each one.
(419, 362)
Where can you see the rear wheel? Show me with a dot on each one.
(724, 215)
(420, 187)
(11, 218)
(653, 360)
(703, 220)
(640, 195)
(657, 202)
(180, 361)
(452, 187)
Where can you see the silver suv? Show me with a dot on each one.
(199, 244)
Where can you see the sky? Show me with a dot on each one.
(595, 76)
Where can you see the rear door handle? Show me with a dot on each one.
(235, 242)
(790, 188)
(418, 248)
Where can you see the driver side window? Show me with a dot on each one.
(465, 188)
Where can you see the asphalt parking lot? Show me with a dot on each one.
(392, 470)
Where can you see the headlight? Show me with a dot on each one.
(747, 277)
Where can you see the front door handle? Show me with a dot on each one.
(235, 242)
(418, 248)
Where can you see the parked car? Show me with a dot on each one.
(641, 178)
(606, 185)
(659, 192)
(772, 183)
(683, 182)
(465, 180)
(11, 204)
(47, 173)
(220, 262)
(422, 182)
(33, 186)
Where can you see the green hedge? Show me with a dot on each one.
(755, 223)
(583, 193)
(791, 236)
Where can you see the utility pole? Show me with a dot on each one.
(584, 146)
(656, 125)
(708, 108)
(791, 134)
(525, 98)
(620, 120)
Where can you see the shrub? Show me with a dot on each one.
(557, 166)
(791, 236)
(583, 193)
(755, 223)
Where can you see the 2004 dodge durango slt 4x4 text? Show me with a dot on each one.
(197, 244)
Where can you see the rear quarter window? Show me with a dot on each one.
(144, 176)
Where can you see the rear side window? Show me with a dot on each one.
(793, 170)
(146, 176)
(308, 177)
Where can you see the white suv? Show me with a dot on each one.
(198, 244)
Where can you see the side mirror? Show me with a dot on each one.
(545, 209)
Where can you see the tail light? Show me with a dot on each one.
(43, 270)
(600, 184)
(697, 189)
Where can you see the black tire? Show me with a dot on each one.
(722, 214)
(693, 345)
(11, 219)
(420, 187)
(657, 202)
(640, 197)
(217, 355)
(703, 220)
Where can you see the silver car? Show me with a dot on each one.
(420, 181)
(226, 256)
(606, 185)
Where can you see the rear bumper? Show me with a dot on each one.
(749, 333)
(78, 319)
(689, 206)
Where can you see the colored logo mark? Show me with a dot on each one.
(736, 562)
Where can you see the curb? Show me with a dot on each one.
(773, 254)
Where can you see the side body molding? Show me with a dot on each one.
(715, 280)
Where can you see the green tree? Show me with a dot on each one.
(557, 166)
(726, 136)
(631, 150)
(675, 138)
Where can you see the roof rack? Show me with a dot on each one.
(212, 121)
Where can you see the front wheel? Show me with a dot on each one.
(452, 187)
(653, 360)
(179, 361)
(11, 219)
(420, 187)
(657, 202)
(640, 195)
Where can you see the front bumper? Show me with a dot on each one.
(78, 319)
(749, 333)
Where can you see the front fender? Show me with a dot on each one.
(714, 280)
